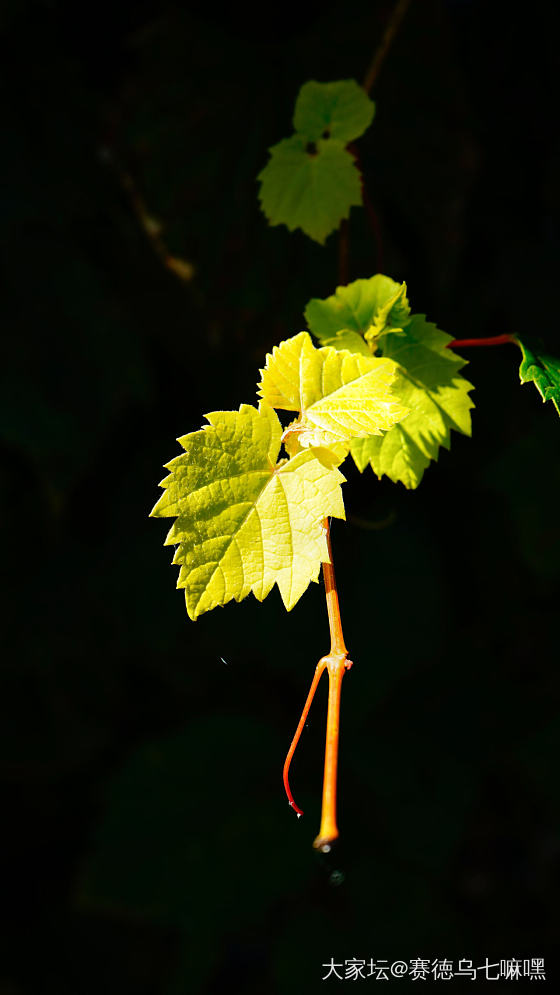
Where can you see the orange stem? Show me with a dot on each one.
(316, 678)
(333, 608)
(328, 830)
(336, 663)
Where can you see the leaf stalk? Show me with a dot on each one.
(490, 340)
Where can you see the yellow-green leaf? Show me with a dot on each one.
(244, 521)
(340, 395)
(361, 309)
(430, 383)
(390, 317)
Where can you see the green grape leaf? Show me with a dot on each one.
(430, 384)
(243, 520)
(542, 369)
(309, 186)
(343, 109)
(340, 395)
(364, 308)
(388, 317)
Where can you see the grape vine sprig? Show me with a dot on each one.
(252, 501)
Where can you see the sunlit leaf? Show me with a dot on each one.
(340, 395)
(361, 310)
(430, 384)
(244, 521)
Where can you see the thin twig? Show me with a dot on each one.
(491, 340)
(380, 54)
(314, 683)
(150, 225)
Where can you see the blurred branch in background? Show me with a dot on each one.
(152, 227)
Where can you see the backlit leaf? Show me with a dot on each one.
(364, 308)
(243, 520)
(430, 384)
(340, 395)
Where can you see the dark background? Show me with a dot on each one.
(150, 848)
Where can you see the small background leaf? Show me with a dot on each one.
(312, 189)
(343, 108)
